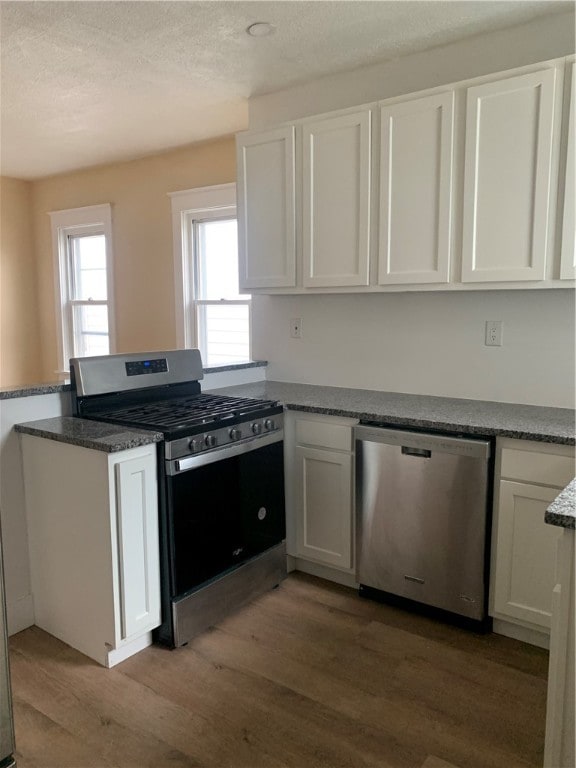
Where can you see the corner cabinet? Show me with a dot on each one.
(93, 536)
(529, 476)
(320, 490)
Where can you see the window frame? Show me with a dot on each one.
(188, 206)
(88, 220)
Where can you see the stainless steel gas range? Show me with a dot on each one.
(220, 479)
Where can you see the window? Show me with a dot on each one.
(211, 314)
(82, 255)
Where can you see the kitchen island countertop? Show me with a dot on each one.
(562, 511)
(453, 415)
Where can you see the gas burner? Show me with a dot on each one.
(189, 414)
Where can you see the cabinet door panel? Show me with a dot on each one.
(138, 546)
(336, 193)
(266, 209)
(509, 131)
(324, 506)
(416, 190)
(526, 553)
(568, 254)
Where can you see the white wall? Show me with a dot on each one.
(425, 343)
(19, 604)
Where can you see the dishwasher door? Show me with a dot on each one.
(422, 504)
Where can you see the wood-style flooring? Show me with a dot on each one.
(308, 676)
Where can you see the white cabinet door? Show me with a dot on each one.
(416, 146)
(336, 200)
(568, 253)
(507, 177)
(138, 547)
(525, 553)
(324, 506)
(266, 209)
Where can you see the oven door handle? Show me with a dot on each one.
(177, 466)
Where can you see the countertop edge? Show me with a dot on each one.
(114, 442)
(562, 511)
(29, 390)
(400, 421)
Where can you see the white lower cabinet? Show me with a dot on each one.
(324, 526)
(560, 741)
(94, 552)
(320, 500)
(529, 476)
(526, 549)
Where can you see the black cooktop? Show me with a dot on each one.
(195, 413)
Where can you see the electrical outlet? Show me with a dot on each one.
(296, 327)
(493, 333)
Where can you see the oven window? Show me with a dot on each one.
(225, 513)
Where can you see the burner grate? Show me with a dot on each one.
(193, 411)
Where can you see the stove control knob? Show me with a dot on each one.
(269, 425)
(195, 445)
(235, 434)
(256, 428)
(210, 441)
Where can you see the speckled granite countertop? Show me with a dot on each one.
(451, 415)
(109, 438)
(27, 390)
(528, 422)
(562, 511)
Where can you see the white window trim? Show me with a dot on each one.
(216, 202)
(78, 221)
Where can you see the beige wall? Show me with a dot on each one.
(20, 361)
(142, 234)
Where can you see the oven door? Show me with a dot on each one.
(224, 507)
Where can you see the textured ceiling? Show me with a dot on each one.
(85, 83)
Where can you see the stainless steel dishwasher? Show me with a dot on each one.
(422, 502)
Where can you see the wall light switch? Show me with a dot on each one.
(493, 333)
(296, 327)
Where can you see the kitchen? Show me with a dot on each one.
(437, 344)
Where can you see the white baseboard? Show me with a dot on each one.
(125, 651)
(20, 614)
(518, 632)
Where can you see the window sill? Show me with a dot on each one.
(235, 366)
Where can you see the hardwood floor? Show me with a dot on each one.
(308, 676)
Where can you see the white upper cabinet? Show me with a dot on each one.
(266, 209)
(461, 187)
(336, 200)
(416, 147)
(507, 178)
(568, 254)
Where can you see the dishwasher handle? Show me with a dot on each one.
(422, 453)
